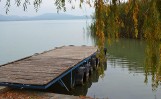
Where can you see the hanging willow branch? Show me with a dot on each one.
(60, 4)
(8, 4)
(37, 4)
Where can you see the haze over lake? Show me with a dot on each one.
(46, 16)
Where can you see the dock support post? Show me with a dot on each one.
(71, 80)
(62, 83)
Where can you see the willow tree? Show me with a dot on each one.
(136, 19)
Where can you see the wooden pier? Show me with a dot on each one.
(40, 71)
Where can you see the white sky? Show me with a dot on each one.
(47, 6)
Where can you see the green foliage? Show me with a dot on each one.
(60, 5)
(132, 19)
(136, 19)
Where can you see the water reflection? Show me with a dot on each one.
(94, 78)
(139, 57)
(128, 53)
(153, 64)
(124, 63)
(132, 72)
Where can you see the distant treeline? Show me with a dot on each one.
(139, 19)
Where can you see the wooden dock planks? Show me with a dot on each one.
(42, 68)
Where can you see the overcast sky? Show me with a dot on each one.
(47, 6)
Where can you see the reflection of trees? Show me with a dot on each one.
(128, 53)
(139, 57)
(101, 68)
(153, 64)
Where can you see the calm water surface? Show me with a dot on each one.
(124, 75)
(24, 38)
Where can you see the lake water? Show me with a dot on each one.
(124, 72)
(24, 38)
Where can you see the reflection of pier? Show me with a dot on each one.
(40, 71)
(82, 90)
